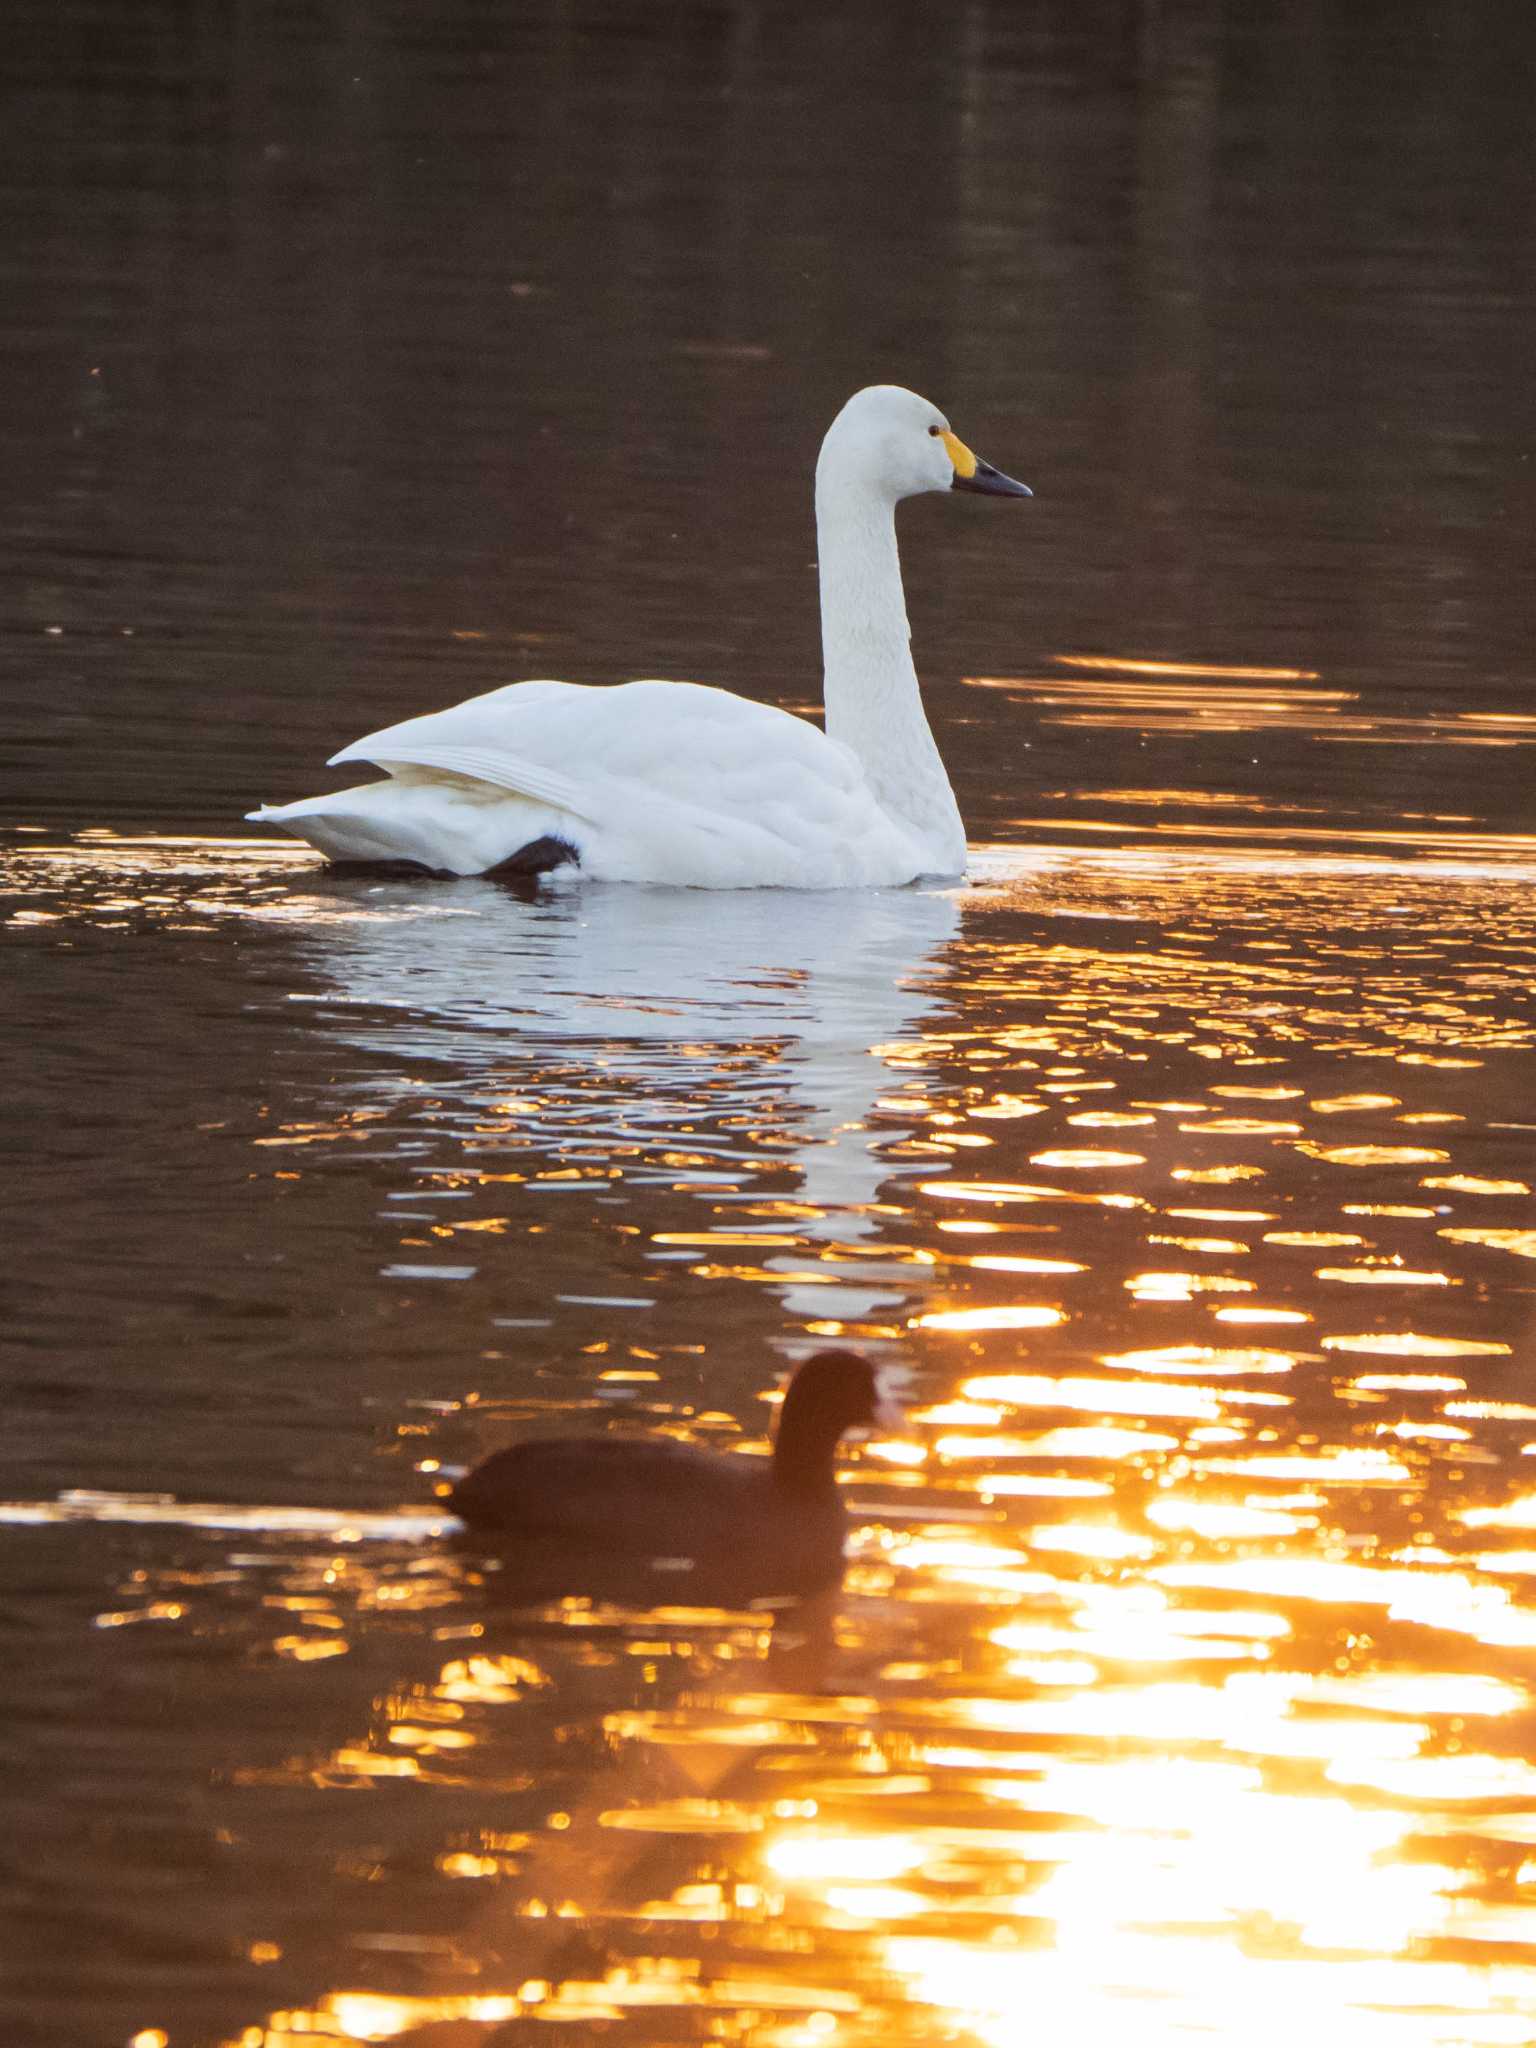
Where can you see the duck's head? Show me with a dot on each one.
(892, 442)
(834, 1393)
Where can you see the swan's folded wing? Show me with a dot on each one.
(480, 764)
(644, 744)
(502, 738)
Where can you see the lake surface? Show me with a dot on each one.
(1183, 1679)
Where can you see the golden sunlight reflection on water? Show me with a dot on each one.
(1182, 1682)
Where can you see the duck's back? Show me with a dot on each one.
(605, 1488)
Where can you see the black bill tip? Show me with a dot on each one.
(991, 483)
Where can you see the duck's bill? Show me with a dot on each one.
(991, 482)
(889, 1415)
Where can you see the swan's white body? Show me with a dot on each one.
(678, 783)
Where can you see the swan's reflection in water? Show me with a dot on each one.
(688, 1039)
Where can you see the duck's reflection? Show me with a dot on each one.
(625, 1843)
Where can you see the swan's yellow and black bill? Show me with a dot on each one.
(971, 474)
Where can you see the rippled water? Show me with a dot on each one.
(1183, 1672)
(1183, 1682)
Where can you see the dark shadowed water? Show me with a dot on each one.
(1182, 1688)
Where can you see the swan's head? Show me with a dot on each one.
(896, 444)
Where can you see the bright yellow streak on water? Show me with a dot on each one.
(1003, 1317)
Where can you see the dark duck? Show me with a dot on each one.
(651, 1503)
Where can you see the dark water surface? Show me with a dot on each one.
(1183, 1685)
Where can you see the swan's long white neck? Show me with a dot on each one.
(873, 703)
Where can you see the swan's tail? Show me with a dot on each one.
(449, 825)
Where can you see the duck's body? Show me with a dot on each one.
(679, 783)
(659, 1501)
(778, 1521)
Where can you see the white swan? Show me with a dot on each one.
(678, 783)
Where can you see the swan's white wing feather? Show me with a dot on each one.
(578, 747)
(478, 764)
(498, 738)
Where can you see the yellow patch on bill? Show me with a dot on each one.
(959, 454)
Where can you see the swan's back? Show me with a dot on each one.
(650, 781)
(675, 740)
